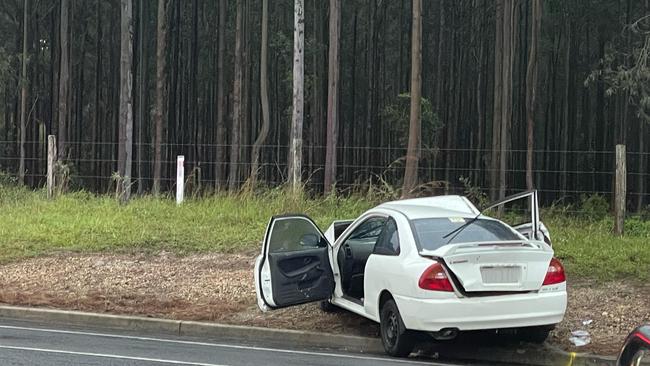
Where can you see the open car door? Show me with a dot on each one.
(294, 267)
(499, 262)
(523, 215)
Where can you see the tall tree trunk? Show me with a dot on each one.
(370, 97)
(349, 158)
(295, 166)
(565, 118)
(413, 149)
(142, 67)
(125, 153)
(98, 116)
(220, 171)
(332, 94)
(23, 100)
(264, 94)
(498, 96)
(439, 83)
(161, 44)
(233, 176)
(507, 100)
(641, 180)
(480, 103)
(64, 79)
(317, 128)
(531, 89)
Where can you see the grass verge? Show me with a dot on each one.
(31, 225)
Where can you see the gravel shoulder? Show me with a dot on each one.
(219, 287)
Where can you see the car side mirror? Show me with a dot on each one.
(310, 240)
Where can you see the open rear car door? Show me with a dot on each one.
(294, 267)
(524, 213)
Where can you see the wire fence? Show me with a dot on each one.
(565, 176)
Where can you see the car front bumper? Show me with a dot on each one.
(490, 312)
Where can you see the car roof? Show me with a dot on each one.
(433, 207)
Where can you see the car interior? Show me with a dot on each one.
(353, 255)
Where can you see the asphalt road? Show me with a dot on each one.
(24, 343)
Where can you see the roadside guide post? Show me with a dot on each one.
(180, 178)
(51, 164)
(620, 190)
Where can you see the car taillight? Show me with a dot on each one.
(434, 278)
(555, 273)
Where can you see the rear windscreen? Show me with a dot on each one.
(430, 232)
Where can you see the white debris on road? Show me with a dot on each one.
(580, 338)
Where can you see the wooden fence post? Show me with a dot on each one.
(180, 178)
(51, 165)
(620, 191)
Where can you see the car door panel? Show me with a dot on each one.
(532, 229)
(390, 273)
(294, 267)
(301, 277)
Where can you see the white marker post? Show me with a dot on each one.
(180, 178)
(51, 165)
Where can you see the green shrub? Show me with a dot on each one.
(594, 207)
(636, 226)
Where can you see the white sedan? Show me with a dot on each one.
(436, 265)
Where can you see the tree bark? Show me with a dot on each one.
(142, 62)
(498, 96)
(507, 100)
(264, 94)
(64, 79)
(295, 166)
(480, 103)
(98, 117)
(531, 89)
(332, 95)
(161, 44)
(125, 152)
(233, 175)
(413, 149)
(220, 171)
(370, 96)
(566, 116)
(23, 100)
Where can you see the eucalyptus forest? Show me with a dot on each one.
(423, 96)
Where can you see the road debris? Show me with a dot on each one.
(580, 338)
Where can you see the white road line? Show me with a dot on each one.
(221, 345)
(102, 355)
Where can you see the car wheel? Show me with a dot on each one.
(534, 334)
(397, 340)
(328, 307)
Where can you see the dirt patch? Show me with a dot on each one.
(614, 309)
(219, 287)
(215, 287)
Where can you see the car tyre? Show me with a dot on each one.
(536, 335)
(397, 340)
(327, 307)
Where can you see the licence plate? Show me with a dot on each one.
(500, 274)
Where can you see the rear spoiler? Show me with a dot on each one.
(450, 249)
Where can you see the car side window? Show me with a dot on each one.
(367, 232)
(293, 234)
(388, 242)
